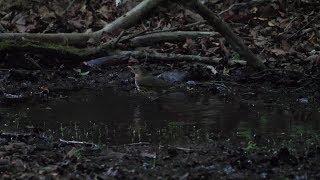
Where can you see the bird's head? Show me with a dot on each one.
(137, 70)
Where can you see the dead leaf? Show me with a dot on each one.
(45, 14)
(189, 44)
(260, 41)
(271, 23)
(285, 45)
(313, 58)
(223, 48)
(148, 155)
(133, 60)
(193, 15)
(213, 70)
(254, 10)
(211, 51)
(226, 71)
(279, 52)
(76, 23)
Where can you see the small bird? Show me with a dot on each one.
(145, 81)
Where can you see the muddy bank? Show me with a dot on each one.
(282, 88)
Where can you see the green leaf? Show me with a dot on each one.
(84, 73)
(236, 57)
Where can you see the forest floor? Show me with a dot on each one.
(286, 37)
(33, 156)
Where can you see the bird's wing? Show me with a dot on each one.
(151, 81)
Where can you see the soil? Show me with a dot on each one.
(291, 83)
(37, 156)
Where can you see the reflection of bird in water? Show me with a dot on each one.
(146, 82)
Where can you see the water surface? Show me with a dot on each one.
(111, 117)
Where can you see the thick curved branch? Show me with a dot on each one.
(224, 29)
(130, 18)
(81, 39)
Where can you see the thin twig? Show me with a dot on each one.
(289, 24)
(177, 28)
(230, 7)
(77, 142)
(118, 39)
(68, 7)
(302, 27)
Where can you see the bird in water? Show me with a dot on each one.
(145, 81)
